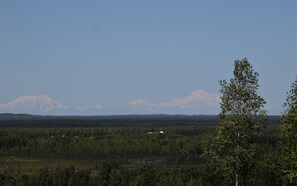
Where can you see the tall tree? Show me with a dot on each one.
(241, 119)
(288, 138)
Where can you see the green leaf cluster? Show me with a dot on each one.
(287, 148)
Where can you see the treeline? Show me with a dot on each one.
(11, 120)
(22, 120)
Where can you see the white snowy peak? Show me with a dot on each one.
(32, 104)
(197, 99)
(140, 103)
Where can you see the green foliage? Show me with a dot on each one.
(10, 176)
(176, 144)
(58, 177)
(288, 138)
(127, 156)
(241, 120)
(110, 174)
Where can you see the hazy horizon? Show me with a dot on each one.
(141, 57)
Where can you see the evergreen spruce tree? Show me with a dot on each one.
(288, 138)
(241, 119)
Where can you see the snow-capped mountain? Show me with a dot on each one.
(41, 104)
(44, 105)
(198, 102)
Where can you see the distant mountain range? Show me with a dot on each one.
(198, 102)
(32, 105)
(44, 105)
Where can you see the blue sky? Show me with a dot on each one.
(113, 52)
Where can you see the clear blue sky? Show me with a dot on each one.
(112, 52)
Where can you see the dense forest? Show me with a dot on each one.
(23, 120)
(169, 151)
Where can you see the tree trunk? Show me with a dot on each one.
(237, 166)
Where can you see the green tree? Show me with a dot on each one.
(9, 175)
(241, 119)
(288, 138)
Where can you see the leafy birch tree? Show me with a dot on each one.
(288, 138)
(241, 119)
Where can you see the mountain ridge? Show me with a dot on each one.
(199, 101)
